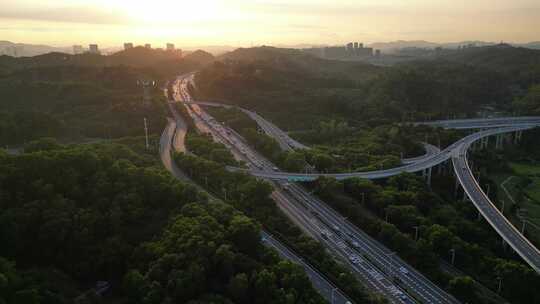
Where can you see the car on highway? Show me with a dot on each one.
(403, 270)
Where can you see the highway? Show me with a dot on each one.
(432, 158)
(331, 293)
(285, 142)
(371, 262)
(489, 211)
(173, 137)
(425, 163)
(327, 220)
(480, 123)
(430, 151)
(457, 152)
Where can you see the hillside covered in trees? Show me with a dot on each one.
(276, 82)
(75, 216)
(73, 97)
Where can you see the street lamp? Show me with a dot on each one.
(416, 233)
(333, 297)
(453, 252)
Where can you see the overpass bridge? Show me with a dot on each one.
(457, 152)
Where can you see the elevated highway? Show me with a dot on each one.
(489, 211)
(424, 164)
(482, 123)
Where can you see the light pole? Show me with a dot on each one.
(416, 233)
(502, 207)
(453, 252)
(225, 193)
(333, 291)
(389, 256)
(146, 133)
(499, 288)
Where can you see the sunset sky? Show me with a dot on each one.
(243, 22)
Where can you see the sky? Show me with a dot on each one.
(270, 22)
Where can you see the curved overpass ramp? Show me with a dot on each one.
(430, 151)
(479, 123)
(489, 211)
(424, 164)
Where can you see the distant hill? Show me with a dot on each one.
(502, 57)
(28, 50)
(531, 45)
(136, 57)
(521, 66)
(389, 47)
(400, 44)
(295, 60)
(200, 56)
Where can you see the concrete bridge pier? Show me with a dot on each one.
(499, 142)
(517, 136)
(428, 176)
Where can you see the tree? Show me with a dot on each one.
(43, 144)
(238, 288)
(244, 233)
(530, 103)
(463, 288)
(322, 162)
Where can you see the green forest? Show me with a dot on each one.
(89, 215)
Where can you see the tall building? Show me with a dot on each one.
(93, 49)
(77, 49)
(170, 46)
(148, 46)
(128, 45)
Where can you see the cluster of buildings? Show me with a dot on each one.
(353, 50)
(168, 47)
(94, 48)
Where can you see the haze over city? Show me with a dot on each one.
(242, 22)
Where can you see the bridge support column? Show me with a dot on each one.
(429, 176)
(499, 142)
(456, 188)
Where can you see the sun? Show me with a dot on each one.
(171, 11)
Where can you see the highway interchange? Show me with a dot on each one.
(174, 136)
(370, 261)
(373, 263)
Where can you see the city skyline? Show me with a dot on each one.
(242, 23)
